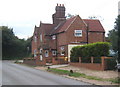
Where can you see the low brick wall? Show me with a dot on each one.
(59, 61)
(33, 61)
(29, 61)
(93, 66)
(41, 63)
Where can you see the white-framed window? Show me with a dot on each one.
(53, 37)
(40, 37)
(62, 47)
(62, 50)
(35, 51)
(35, 38)
(46, 53)
(40, 50)
(62, 53)
(78, 33)
(54, 52)
(41, 58)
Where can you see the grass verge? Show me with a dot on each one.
(76, 74)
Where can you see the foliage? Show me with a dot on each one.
(69, 15)
(90, 50)
(113, 35)
(76, 74)
(97, 60)
(110, 63)
(12, 46)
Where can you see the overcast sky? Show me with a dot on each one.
(23, 15)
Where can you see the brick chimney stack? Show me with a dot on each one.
(59, 15)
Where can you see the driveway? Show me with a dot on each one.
(15, 74)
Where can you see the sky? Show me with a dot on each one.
(23, 15)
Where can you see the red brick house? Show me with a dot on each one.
(56, 40)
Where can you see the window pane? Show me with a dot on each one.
(78, 33)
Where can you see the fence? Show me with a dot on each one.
(60, 60)
(94, 66)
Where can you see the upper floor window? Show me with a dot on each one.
(53, 37)
(78, 33)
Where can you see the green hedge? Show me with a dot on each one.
(90, 50)
(97, 60)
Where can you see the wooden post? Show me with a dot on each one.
(92, 59)
(102, 62)
(79, 59)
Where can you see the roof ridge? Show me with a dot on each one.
(71, 22)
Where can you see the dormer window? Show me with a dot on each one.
(53, 37)
(78, 33)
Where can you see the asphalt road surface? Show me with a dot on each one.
(16, 74)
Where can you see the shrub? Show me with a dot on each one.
(97, 60)
(90, 50)
(75, 54)
(86, 60)
(110, 63)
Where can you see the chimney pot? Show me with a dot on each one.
(63, 5)
(57, 4)
(60, 4)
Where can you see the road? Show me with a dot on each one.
(16, 74)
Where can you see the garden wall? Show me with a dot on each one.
(88, 66)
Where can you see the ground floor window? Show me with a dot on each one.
(35, 53)
(62, 53)
(41, 58)
(40, 50)
(62, 50)
(54, 52)
(46, 53)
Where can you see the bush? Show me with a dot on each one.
(90, 50)
(86, 60)
(75, 54)
(97, 60)
(111, 63)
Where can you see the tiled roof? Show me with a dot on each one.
(46, 28)
(94, 25)
(50, 29)
(62, 26)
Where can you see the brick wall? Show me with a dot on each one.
(92, 66)
(96, 37)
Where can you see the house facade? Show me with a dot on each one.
(56, 40)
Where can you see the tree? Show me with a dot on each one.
(12, 46)
(118, 27)
(69, 15)
(114, 36)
